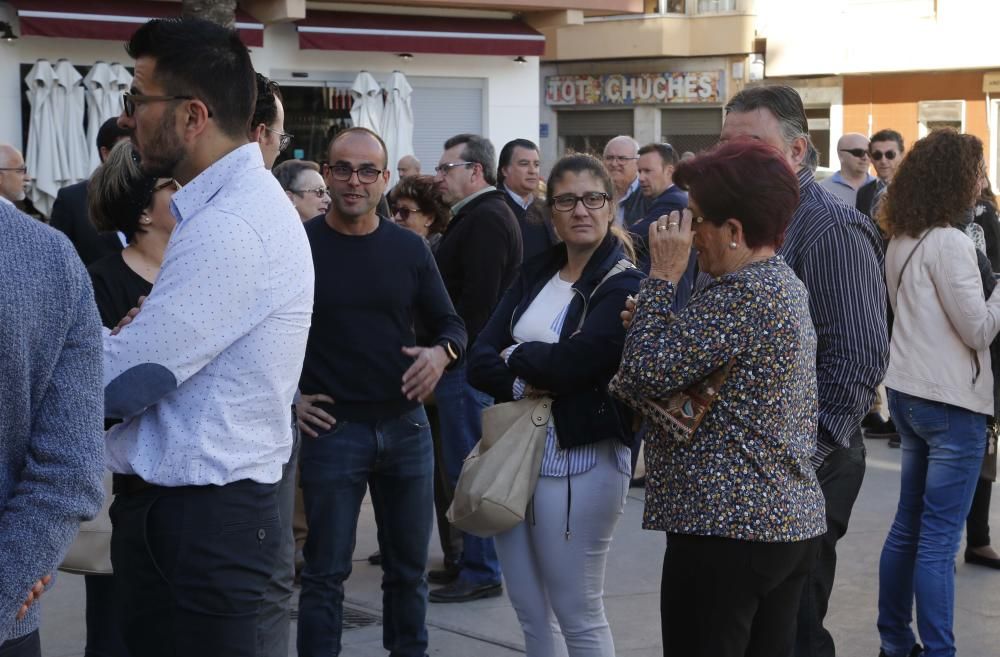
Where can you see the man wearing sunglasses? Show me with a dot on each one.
(886, 152)
(852, 149)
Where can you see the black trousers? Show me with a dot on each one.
(191, 565)
(104, 632)
(721, 597)
(840, 478)
(28, 645)
(977, 524)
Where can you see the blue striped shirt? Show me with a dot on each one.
(837, 252)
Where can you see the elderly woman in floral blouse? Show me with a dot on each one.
(739, 500)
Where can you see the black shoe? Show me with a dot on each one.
(980, 560)
(445, 575)
(916, 652)
(872, 421)
(462, 591)
(882, 430)
(639, 482)
(375, 558)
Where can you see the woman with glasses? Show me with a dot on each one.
(557, 332)
(417, 204)
(122, 198)
(940, 384)
(305, 187)
(737, 497)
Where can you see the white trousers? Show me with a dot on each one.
(557, 583)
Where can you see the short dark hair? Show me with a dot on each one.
(358, 129)
(423, 191)
(665, 151)
(266, 108)
(782, 101)
(109, 134)
(888, 135)
(477, 149)
(745, 180)
(195, 57)
(507, 154)
(118, 192)
(288, 171)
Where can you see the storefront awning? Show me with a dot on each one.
(335, 30)
(113, 20)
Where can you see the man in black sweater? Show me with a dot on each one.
(360, 409)
(478, 257)
(517, 174)
(70, 211)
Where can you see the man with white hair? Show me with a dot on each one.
(852, 149)
(13, 175)
(621, 157)
(407, 166)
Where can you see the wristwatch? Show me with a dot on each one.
(449, 349)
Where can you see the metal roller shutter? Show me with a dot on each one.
(692, 129)
(608, 123)
(442, 110)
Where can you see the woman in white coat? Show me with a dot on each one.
(939, 382)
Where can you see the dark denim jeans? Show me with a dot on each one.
(942, 453)
(461, 411)
(28, 645)
(191, 564)
(395, 459)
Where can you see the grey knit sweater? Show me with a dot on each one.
(51, 408)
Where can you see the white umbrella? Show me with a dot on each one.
(98, 83)
(123, 82)
(42, 157)
(397, 121)
(68, 101)
(367, 109)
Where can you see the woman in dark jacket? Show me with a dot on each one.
(557, 331)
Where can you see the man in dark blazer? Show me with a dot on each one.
(518, 175)
(70, 214)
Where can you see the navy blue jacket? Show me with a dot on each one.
(576, 369)
(674, 198)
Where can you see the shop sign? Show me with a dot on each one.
(634, 89)
(991, 83)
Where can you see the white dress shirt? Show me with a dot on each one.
(205, 374)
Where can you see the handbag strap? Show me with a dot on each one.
(622, 265)
(906, 262)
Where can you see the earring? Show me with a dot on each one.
(145, 220)
(733, 245)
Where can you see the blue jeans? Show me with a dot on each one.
(395, 458)
(942, 452)
(460, 407)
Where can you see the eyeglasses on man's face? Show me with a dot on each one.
(130, 100)
(590, 200)
(284, 139)
(443, 169)
(889, 155)
(21, 170)
(366, 175)
(619, 159)
(859, 153)
(318, 192)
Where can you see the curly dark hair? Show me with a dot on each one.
(424, 192)
(936, 181)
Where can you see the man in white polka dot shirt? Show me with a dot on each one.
(204, 376)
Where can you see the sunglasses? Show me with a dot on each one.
(403, 213)
(889, 155)
(859, 153)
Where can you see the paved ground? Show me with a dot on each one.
(488, 628)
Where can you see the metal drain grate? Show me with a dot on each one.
(353, 618)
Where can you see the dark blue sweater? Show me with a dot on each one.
(370, 291)
(674, 198)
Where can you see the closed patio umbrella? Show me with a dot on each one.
(397, 121)
(42, 156)
(367, 109)
(68, 100)
(99, 83)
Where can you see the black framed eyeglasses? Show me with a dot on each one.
(590, 200)
(130, 100)
(877, 155)
(859, 153)
(443, 169)
(318, 192)
(343, 173)
(20, 170)
(284, 138)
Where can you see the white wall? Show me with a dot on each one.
(811, 37)
(511, 91)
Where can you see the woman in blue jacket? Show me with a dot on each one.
(558, 331)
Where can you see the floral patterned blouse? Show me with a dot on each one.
(745, 474)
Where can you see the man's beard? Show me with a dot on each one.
(161, 156)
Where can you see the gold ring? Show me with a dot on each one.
(660, 227)
(673, 223)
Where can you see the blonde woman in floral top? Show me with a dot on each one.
(740, 501)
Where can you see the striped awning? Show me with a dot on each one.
(112, 20)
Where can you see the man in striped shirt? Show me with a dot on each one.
(837, 253)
